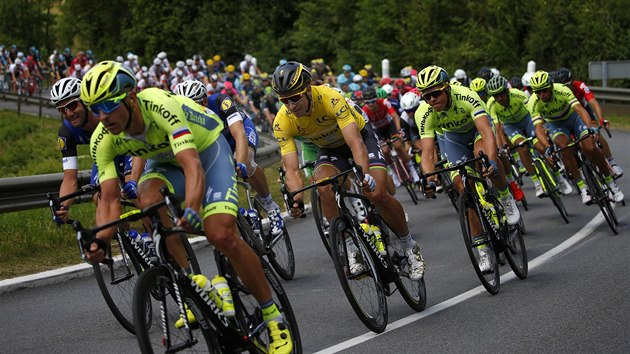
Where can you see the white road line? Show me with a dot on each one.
(543, 258)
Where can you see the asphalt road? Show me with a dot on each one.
(575, 299)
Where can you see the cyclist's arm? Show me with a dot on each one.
(581, 111)
(137, 167)
(489, 141)
(428, 155)
(501, 139)
(396, 119)
(539, 127)
(353, 139)
(68, 185)
(190, 162)
(596, 108)
(237, 130)
(293, 178)
(108, 207)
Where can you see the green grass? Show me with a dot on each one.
(619, 122)
(29, 241)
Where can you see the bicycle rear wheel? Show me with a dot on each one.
(489, 279)
(413, 292)
(516, 253)
(364, 290)
(551, 188)
(117, 281)
(320, 222)
(155, 312)
(248, 312)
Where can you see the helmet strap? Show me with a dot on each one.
(128, 106)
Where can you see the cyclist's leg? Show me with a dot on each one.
(329, 163)
(309, 153)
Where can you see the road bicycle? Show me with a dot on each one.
(516, 173)
(477, 205)
(278, 249)
(126, 260)
(546, 178)
(400, 169)
(595, 181)
(321, 223)
(366, 290)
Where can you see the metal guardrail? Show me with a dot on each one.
(23, 193)
(611, 94)
(41, 103)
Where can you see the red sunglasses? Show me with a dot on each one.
(69, 107)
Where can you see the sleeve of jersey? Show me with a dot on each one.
(478, 109)
(533, 111)
(283, 134)
(103, 153)
(68, 147)
(228, 109)
(340, 109)
(424, 120)
(173, 122)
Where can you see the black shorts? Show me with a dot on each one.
(338, 157)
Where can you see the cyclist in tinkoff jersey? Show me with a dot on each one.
(479, 85)
(186, 150)
(507, 106)
(322, 115)
(76, 129)
(585, 96)
(242, 136)
(467, 130)
(556, 105)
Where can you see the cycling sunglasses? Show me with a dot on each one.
(69, 107)
(293, 99)
(108, 106)
(433, 94)
(371, 101)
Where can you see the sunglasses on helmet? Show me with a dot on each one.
(108, 106)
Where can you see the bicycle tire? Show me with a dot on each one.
(155, 287)
(372, 312)
(118, 293)
(318, 216)
(248, 313)
(598, 195)
(491, 280)
(410, 187)
(512, 237)
(279, 251)
(413, 292)
(247, 233)
(524, 202)
(551, 189)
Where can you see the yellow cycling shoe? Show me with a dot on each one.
(191, 318)
(280, 338)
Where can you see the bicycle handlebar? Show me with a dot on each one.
(461, 167)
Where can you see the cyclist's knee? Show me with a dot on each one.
(222, 235)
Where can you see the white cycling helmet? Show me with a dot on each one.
(65, 88)
(495, 72)
(189, 62)
(388, 88)
(180, 64)
(130, 56)
(193, 89)
(18, 61)
(157, 61)
(161, 55)
(120, 59)
(357, 78)
(409, 101)
(405, 72)
(525, 78)
(459, 74)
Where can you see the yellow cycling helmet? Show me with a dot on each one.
(209, 62)
(216, 58)
(246, 76)
(540, 80)
(431, 76)
(363, 72)
(478, 85)
(229, 68)
(106, 80)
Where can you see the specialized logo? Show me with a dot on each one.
(61, 143)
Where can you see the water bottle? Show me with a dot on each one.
(145, 242)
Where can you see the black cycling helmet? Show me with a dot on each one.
(290, 79)
(563, 76)
(516, 82)
(484, 73)
(369, 93)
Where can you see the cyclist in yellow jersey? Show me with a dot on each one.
(321, 115)
(186, 151)
(556, 105)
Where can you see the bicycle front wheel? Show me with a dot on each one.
(155, 312)
(490, 278)
(551, 188)
(323, 228)
(598, 196)
(413, 292)
(116, 281)
(516, 253)
(362, 285)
